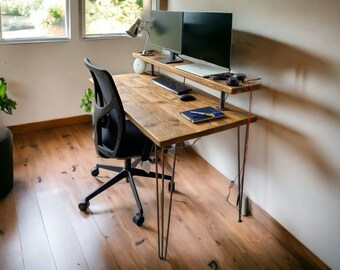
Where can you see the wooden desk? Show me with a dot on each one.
(156, 112)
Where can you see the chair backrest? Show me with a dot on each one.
(108, 115)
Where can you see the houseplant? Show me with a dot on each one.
(86, 100)
(6, 104)
(6, 143)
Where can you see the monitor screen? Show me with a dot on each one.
(166, 33)
(207, 36)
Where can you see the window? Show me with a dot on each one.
(33, 20)
(109, 17)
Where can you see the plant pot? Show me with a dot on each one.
(6, 161)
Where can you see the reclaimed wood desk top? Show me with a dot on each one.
(156, 111)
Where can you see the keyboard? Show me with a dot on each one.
(171, 85)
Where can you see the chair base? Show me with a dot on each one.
(127, 172)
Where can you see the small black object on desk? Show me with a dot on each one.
(233, 81)
(220, 77)
(187, 97)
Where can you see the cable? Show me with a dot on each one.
(231, 185)
(241, 181)
(190, 145)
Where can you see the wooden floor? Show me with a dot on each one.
(41, 226)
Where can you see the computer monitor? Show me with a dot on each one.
(207, 36)
(166, 33)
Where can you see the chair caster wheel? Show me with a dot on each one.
(138, 219)
(171, 186)
(94, 171)
(83, 205)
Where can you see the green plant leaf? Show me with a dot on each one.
(3, 87)
(6, 104)
(87, 99)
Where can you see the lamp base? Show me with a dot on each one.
(146, 53)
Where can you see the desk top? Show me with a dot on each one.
(213, 84)
(156, 111)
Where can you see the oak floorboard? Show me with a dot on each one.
(34, 242)
(41, 226)
(63, 243)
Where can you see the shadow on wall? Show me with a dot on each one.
(302, 145)
(273, 57)
(278, 95)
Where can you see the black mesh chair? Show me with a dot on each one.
(116, 137)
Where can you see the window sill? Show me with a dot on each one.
(33, 40)
(105, 36)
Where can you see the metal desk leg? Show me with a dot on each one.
(163, 233)
(240, 178)
(241, 171)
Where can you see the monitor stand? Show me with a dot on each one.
(172, 58)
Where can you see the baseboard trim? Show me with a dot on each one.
(294, 246)
(55, 123)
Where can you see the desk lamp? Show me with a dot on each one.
(138, 27)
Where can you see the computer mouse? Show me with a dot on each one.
(187, 97)
(233, 81)
(241, 76)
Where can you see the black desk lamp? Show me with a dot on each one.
(138, 27)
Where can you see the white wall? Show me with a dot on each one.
(293, 165)
(48, 79)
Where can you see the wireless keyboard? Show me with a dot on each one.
(171, 85)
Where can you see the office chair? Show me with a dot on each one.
(116, 137)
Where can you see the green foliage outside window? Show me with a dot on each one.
(111, 16)
(55, 16)
(20, 8)
(33, 18)
(139, 3)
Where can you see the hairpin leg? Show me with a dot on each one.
(163, 232)
(240, 178)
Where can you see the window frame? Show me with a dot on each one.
(42, 39)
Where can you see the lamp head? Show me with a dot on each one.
(138, 27)
(134, 29)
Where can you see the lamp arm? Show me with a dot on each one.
(146, 41)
